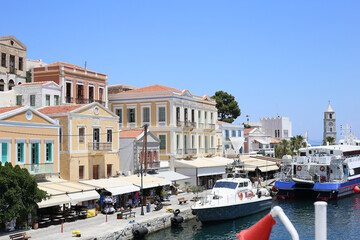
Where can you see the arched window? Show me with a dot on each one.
(2, 85)
(11, 84)
(330, 116)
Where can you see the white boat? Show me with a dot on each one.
(232, 198)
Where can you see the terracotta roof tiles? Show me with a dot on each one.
(8, 109)
(247, 131)
(152, 88)
(130, 133)
(65, 64)
(60, 109)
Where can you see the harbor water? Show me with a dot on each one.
(343, 222)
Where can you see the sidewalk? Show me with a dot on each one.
(97, 227)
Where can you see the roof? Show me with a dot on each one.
(58, 63)
(122, 85)
(273, 140)
(36, 83)
(130, 133)
(60, 109)
(170, 175)
(329, 108)
(221, 122)
(152, 88)
(247, 131)
(204, 162)
(148, 181)
(8, 109)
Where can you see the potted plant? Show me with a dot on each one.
(176, 185)
(35, 222)
(187, 186)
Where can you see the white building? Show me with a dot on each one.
(256, 141)
(277, 127)
(232, 139)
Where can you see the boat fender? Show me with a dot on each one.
(251, 194)
(299, 168)
(356, 189)
(176, 220)
(140, 232)
(322, 168)
(246, 195)
(259, 194)
(193, 212)
(240, 196)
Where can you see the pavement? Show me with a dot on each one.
(97, 226)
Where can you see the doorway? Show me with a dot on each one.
(96, 169)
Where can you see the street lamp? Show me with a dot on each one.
(141, 167)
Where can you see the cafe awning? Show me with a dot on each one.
(122, 189)
(55, 201)
(148, 181)
(116, 186)
(170, 175)
(83, 196)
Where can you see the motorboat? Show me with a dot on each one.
(232, 198)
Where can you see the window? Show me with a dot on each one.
(81, 135)
(177, 141)
(146, 114)
(227, 146)
(56, 100)
(330, 129)
(192, 141)
(118, 112)
(161, 114)
(199, 115)
(233, 133)
(34, 153)
(211, 116)
(286, 133)
(131, 115)
(227, 135)
(60, 135)
(186, 115)
(2, 85)
(239, 133)
(47, 100)
(20, 63)
(20, 152)
(278, 132)
(193, 115)
(81, 172)
(109, 135)
(330, 116)
(4, 152)
(205, 116)
(199, 142)
(18, 100)
(212, 141)
(109, 170)
(275, 133)
(32, 100)
(3, 59)
(162, 142)
(49, 151)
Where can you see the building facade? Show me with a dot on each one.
(79, 85)
(184, 123)
(89, 146)
(232, 139)
(257, 142)
(277, 127)
(29, 139)
(329, 123)
(12, 62)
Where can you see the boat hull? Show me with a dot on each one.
(324, 191)
(228, 212)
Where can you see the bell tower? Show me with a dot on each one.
(329, 123)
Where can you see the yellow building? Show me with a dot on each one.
(184, 123)
(88, 141)
(29, 139)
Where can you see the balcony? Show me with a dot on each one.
(98, 146)
(179, 123)
(153, 165)
(201, 150)
(190, 125)
(100, 102)
(41, 168)
(81, 101)
(69, 99)
(179, 151)
(201, 125)
(210, 150)
(210, 127)
(190, 151)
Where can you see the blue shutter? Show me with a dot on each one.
(4, 150)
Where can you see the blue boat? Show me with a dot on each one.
(325, 172)
(231, 198)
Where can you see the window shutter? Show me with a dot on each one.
(4, 152)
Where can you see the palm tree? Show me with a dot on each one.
(300, 142)
(293, 144)
(330, 140)
(283, 148)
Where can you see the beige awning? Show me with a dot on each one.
(148, 181)
(203, 162)
(55, 201)
(123, 189)
(83, 196)
(269, 168)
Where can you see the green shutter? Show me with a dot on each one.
(49, 152)
(37, 151)
(4, 150)
(22, 152)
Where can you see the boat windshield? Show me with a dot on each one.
(231, 185)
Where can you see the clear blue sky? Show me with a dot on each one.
(285, 57)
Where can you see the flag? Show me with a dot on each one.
(259, 231)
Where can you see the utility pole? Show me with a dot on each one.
(144, 161)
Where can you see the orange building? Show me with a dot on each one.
(79, 85)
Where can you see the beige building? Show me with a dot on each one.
(89, 139)
(29, 139)
(183, 122)
(12, 62)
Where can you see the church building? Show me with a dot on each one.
(329, 123)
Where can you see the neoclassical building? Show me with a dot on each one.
(183, 122)
(12, 63)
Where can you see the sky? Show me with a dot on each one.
(286, 58)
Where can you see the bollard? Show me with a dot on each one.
(320, 220)
(106, 216)
(148, 207)
(62, 226)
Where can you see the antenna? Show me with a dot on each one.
(85, 64)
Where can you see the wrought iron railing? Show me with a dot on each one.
(189, 124)
(40, 168)
(68, 99)
(81, 101)
(210, 150)
(179, 151)
(98, 146)
(190, 151)
(179, 123)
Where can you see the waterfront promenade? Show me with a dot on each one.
(97, 227)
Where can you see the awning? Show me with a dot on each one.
(170, 175)
(54, 201)
(148, 181)
(262, 141)
(83, 196)
(269, 168)
(123, 189)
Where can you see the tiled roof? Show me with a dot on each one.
(273, 140)
(130, 133)
(60, 109)
(247, 131)
(122, 85)
(152, 88)
(34, 83)
(221, 122)
(8, 109)
(65, 64)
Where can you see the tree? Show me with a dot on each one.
(296, 143)
(330, 140)
(283, 148)
(19, 193)
(28, 76)
(228, 108)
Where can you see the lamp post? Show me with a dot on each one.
(141, 167)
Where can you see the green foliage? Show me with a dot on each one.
(28, 76)
(19, 193)
(228, 108)
(296, 143)
(290, 147)
(246, 125)
(197, 189)
(330, 140)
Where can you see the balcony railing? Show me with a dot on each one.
(190, 151)
(100, 102)
(201, 150)
(98, 146)
(201, 125)
(179, 151)
(179, 123)
(153, 165)
(40, 168)
(189, 124)
(211, 150)
(210, 126)
(81, 101)
(68, 99)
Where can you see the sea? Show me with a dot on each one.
(343, 222)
